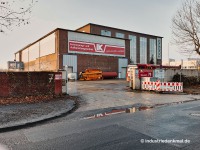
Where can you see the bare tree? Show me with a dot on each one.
(14, 13)
(186, 27)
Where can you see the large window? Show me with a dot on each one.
(119, 35)
(152, 54)
(133, 49)
(143, 50)
(105, 33)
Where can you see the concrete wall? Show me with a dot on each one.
(20, 84)
(45, 63)
(171, 72)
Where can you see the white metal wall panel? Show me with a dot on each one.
(81, 37)
(95, 39)
(25, 55)
(34, 51)
(123, 73)
(47, 45)
(133, 42)
(70, 60)
(122, 63)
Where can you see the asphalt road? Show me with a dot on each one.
(167, 127)
(122, 131)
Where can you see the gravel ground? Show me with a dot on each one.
(192, 89)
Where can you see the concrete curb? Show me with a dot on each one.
(24, 122)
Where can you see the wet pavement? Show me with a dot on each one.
(172, 124)
(16, 115)
(116, 93)
(96, 98)
(169, 128)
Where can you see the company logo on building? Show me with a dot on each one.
(100, 48)
(95, 48)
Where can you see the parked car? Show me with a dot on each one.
(71, 76)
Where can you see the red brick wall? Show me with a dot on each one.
(20, 84)
(104, 63)
(127, 50)
(62, 46)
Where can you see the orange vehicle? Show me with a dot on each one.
(91, 74)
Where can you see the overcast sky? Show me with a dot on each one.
(145, 16)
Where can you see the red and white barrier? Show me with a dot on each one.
(172, 86)
(163, 86)
(149, 85)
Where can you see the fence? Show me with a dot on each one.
(163, 86)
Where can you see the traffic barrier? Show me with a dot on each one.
(158, 84)
(163, 86)
(149, 85)
(172, 86)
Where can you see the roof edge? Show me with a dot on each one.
(64, 30)
(83, 26)
(37, 40)
(118, 29)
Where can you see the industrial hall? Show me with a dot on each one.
(91, 46)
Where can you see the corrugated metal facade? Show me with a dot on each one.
(122, 64)
(70, 61)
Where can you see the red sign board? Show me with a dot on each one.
(145, 73)
(58, 76)
(97, 48)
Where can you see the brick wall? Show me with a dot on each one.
(62, 46)
(20, 84)
(105, 63)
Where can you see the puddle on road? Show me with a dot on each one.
(136, 108)
(118, 111)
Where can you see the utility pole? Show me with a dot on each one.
(168, 55)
